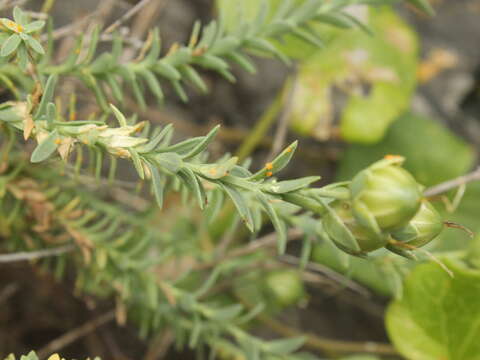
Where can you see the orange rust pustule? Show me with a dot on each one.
(392, 157)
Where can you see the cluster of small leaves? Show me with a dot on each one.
(17, 37)
(210, 48)
(120, 249)
(155, 158)
(118, 252)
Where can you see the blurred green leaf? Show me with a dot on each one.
(436, 317)
(373, 75)
(34, 26)
(35, 45)
(284, 346)
(423, 5)
(10, 45)
(45, 148)
(433, 153)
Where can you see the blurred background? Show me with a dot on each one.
(412, 88)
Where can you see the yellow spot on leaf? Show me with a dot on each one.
(269, 173)
(54, 357)
(289, 149)
(269, 166)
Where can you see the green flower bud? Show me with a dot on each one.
(385, 196)
(425, 226)
(341, 226)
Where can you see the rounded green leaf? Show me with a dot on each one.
(437, 316)
(10, 45)
(19, 16)
(46, 148)
(34, 26)
(35, 45)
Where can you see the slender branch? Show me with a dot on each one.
(75, 334)
(282, 128)
(126, 16)
(329, 273)
(323, 344)
(35, 255)
(452, 184)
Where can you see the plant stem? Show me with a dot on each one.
(452, 184)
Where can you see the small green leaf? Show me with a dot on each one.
(282, 187)
(166, 70)
(192, 75)
(241, 204)
(211, 62)
(182, 147)
(92, 45)
(157, 185)
(10, 45)
(155, 49)
(278, 224)
(19, 16)
(285, 346)
(45, 148)
(119, 116)
(179, 90)
(243, 61)
(277, 164)
(34, 26)
(203, 144)
(22, 57)
(227, 313)
(153, 84)
(35, 45)
(216, 171)
(170, 161)
(137, 162)
(47, 96)
(194, 186)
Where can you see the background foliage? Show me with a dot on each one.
(174, 233)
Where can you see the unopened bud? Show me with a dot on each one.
(385, 196)
(423, 228)
(366, 239)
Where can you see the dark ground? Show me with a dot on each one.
(37, 309)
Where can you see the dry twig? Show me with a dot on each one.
(35, 255)
(75, 334)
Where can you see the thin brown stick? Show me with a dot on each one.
(126, 16)
(158, 347)
(324, 344)
(75, 334)
(35, 255)
(452, 184)
(282, 129)
(264, 242)
(329, 273)
(321, 343)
